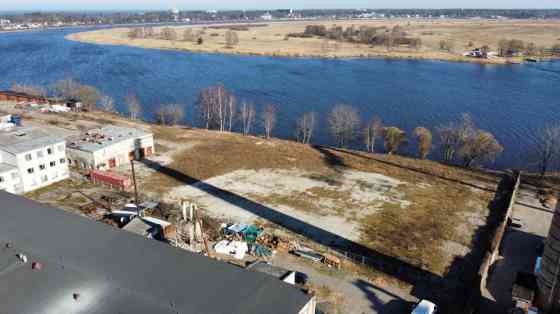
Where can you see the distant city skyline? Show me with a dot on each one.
(23, 5)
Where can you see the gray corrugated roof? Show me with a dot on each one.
(116, 133)
(24, 139)
(115, 271)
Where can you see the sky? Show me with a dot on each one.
(6, 5)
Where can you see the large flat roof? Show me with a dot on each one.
(104, 137)
(23, 139)
(4, 167)
(90, 267)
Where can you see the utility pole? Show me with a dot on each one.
(134, 182)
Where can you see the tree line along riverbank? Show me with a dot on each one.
(460, 142)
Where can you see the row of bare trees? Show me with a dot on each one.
(375, 36)
(458, 139)
(171, 34)
(217, 109)
(90, 97)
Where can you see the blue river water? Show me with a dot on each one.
(511, 101)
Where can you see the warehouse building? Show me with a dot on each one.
(66, 263)
(31, 158)
(109, 147)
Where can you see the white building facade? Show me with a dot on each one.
(31, 159)
(109, 147)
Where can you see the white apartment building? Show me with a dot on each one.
(109, 147)
(31, 158)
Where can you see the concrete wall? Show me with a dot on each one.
(493, 249)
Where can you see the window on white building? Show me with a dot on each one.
(28, 157)
(62, 160)
(49, 151)
(1, 179)
(53, 163)
(30, 170)
(42, 167)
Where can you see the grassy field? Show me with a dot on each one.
(271, 39)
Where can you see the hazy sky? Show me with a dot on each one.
(265, 4)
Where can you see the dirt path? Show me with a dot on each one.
(358, 295)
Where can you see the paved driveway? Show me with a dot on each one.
(359, 295)
(518, 249)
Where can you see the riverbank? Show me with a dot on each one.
(272, 39)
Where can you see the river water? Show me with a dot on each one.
(511, 101)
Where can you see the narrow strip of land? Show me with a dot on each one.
(446, 40)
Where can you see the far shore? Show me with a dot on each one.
(272, 40)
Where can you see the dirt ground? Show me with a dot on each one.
(419, 212)
(271, 40)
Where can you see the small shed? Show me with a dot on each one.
(115, 180)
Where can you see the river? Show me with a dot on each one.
(511, 101)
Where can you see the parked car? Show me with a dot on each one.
(424, 307)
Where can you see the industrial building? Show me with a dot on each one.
(66, 263)
(548, 279)
(109, 147)
(20, 97)
(31, 158)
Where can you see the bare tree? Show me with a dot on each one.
(149, 32)
(29, 89)
(133, 105)
(547, 148)
(247, 116)
(453, 136)
(424, 137)
(107, 103)
(216, 107)
(88, 95)
(230, 110)
(137, 32)
(66, 89)
(169, 33)
(372, 131)
(394, 139)
(480, 146)
(188, 35)
(447, 45)
(170, 114)
(231, 39)
(269, 120)
(305, 127)
(343, 124)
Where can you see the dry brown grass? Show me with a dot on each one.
(270, 40)
(440, 194)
